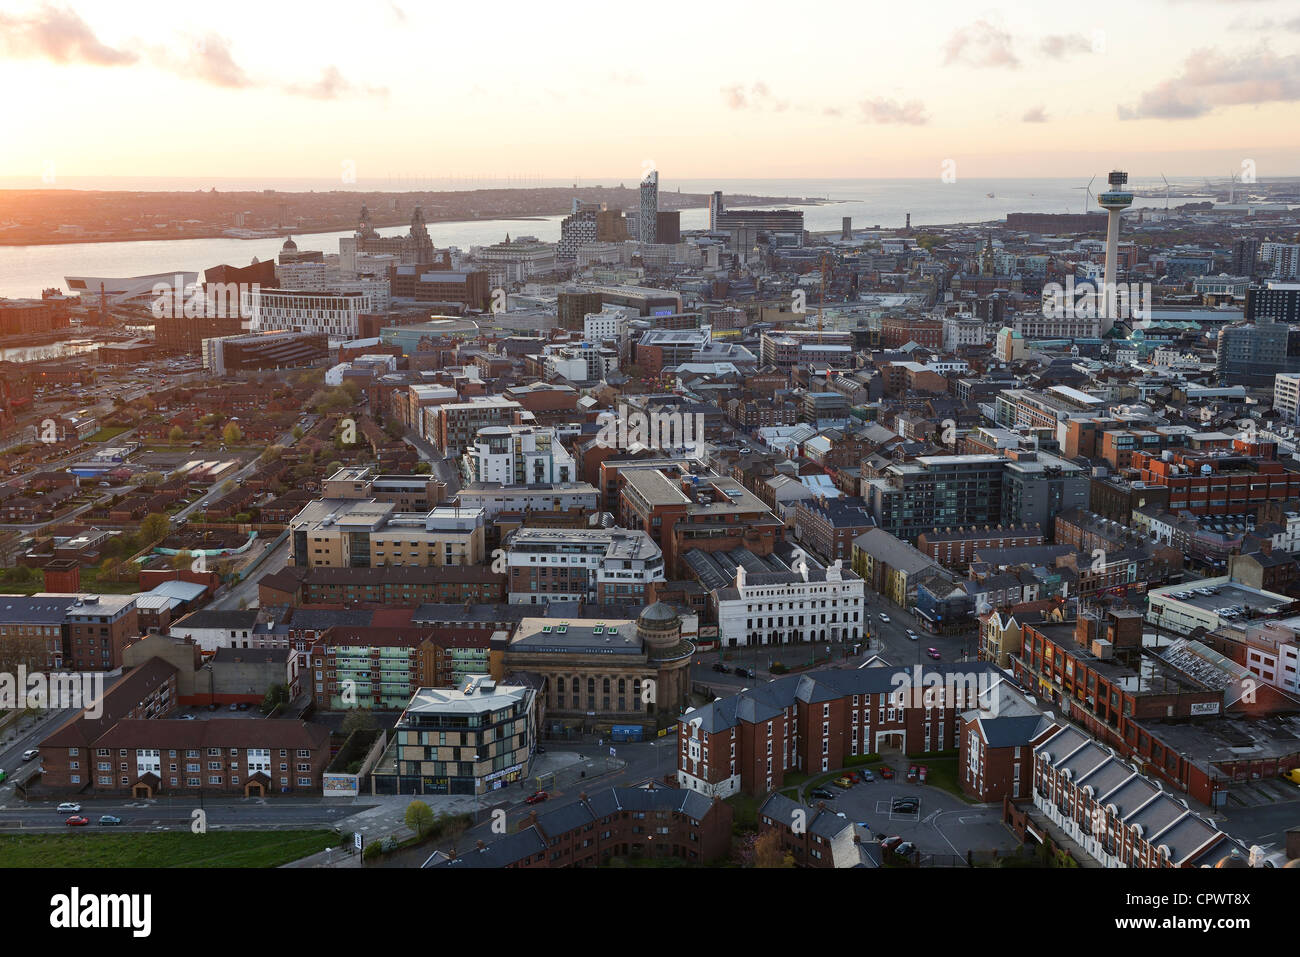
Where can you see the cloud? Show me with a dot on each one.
(333, 86)
(757, 97)
(1211, 80)
(881, 110)
(211, 62)
(1035, 114)
(1062, 45)
(59, 35)
(980, 44)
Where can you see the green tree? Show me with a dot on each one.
(419, 818)
(272, 453)
(231, 434)
(298, 432)
(154, 527)
(152, 478)
(176, 434)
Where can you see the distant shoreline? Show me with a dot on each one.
(379, 221)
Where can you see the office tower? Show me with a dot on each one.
(715, 209)
(668, 227)
(846, 227)
(1115, 200)
(648, 219)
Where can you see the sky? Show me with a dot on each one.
(605, 91)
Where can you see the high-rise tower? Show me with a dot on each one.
(649, 207)
(1115, 200)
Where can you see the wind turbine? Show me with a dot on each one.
(1162, 176)
(1087, 192)
(1232, 187)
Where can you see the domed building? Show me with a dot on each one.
(290, 253)
(660, 629)
(601, 674)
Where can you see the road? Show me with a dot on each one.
(11, 755)
(178, 814)
(246, 590)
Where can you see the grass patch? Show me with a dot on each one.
(942, 773)
(169, 849)
(109, 432)
(744, 810)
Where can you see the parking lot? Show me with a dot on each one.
(942, 824)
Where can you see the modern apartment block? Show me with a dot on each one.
(595, 565)
(453, 426)
(518, 455)
(937, 491)
(364, 533)
(471, 739)
(98, 628)
(410, 493)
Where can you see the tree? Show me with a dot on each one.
(152, 478)
(298, 432)
(176, 434)
(768, 853)
(272, 453)
(182, 560)
(422, 468)
(227, 487)
(359, 720)
(419, 818)
(155, 526)
(231, 434)
(275, 695)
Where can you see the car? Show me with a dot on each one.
(887, 773)
(3, 776)
(868, 777)
(234, 707)
(214, 707)
(744, 672)
(108, 820)
(906, 849)
(913, 635)
(187, 717)
(77, 820)
(906, 805)
(537, 797)
(721, 669)
(243, 706)
(933, 653)
(30, 753)
(921, 772)
(891, 842)
(884, 618)
(822, 793)
(68, 807)
(843, 782)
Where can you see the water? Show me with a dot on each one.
(26, 270)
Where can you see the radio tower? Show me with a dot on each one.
(1115, 200)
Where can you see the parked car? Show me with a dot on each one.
(537, 797)
(887, 773)
(234, 707)
(721, 669)
(822, 793)
(243, 706)
(843, 782)
(77, 820)
(921, 773)
(913, 635)
(884, 618)
(187, 717)
(109, 820)
(868, 777)
(68, 807)
(891, 842)
(744, 672)
(906, 849)
(214, 707)
(906, 805)
(31, 753)
(933, 653)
